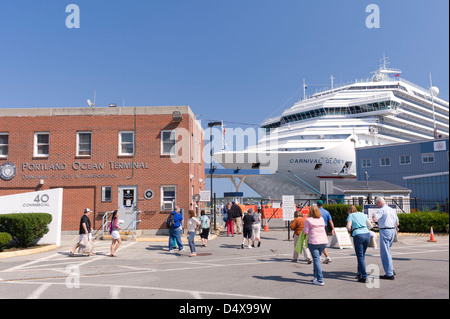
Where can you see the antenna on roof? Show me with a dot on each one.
(89, 102)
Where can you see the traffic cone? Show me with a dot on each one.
(432, 236)
(266, 227)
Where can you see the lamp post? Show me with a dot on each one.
(211, 171)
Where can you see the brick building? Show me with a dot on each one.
(125, 158)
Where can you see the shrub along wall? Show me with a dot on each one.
(419, 222)
(25, 229)
(5, 238)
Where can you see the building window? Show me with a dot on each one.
(41, 144)
(126, 143)
(4, 145)
(106, 194)
(385, 161)
(366, 162)
(168, 141)
(169, 196)
(84, 144)
(427, 157)
(405, 159)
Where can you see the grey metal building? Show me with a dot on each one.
(420, 166)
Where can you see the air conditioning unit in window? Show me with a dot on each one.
(168, 206)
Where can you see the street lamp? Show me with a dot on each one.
(211, 171)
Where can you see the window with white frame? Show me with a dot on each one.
(41, 144)
(106, 193)
(427, 157)
(405, 159)
(4, 145)
(366, 162)
(168, 197)
(168, 142)
(126, 143)
(385, 161)
(84, 143)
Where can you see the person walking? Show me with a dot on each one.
(387, 222)
(317, 241)
(248, 221)
(175, 230)
(297, 225)
(358, 225)
(85, 229)
(192, 226)
(114, 227)
(256, 228)
(236, 214)
(204, 227)
(228, 219)
(327, 219)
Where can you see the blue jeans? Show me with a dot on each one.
(316, 252)
(386, 240)
(175, 233)
(191, 239)
(361, 242)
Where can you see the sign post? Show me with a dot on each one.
(288, 211)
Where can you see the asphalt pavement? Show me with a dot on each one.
(145, 269)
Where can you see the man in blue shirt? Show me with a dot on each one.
(175, 231)
(387, 222)
(327, 218)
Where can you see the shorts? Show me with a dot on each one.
(247, 233)
(205, 233)
(115, 234)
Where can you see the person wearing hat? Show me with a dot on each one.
(327, 218)
(85, 229)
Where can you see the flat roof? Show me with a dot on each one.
(77, 111)
(402, 143)
(374, 186)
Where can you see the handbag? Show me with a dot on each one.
(302, 241)
(86, 245)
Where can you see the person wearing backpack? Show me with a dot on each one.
(228, 219)
(175, 229)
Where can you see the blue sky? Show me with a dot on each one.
(233, 60)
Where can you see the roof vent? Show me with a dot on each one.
(176, 116)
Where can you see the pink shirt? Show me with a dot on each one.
(315, 228)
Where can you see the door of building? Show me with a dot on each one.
(127, 206)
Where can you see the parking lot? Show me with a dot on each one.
(222, 270)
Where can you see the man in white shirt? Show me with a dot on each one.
(387, 222)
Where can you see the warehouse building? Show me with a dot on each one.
(420, 166)
(133, 159)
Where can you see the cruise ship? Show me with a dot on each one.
(315, 139)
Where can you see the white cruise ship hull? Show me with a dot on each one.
(295, 173)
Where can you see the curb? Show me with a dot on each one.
(26, 252)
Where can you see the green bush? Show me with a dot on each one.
(339, 213)
(26, 228)
(421, 222)
(5, 238)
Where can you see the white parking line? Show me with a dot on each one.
(38, 292)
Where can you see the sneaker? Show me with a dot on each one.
(387, 277)
(259, 244)
(318, 283)
(181, 249)
(327, 260)
(309, 261)
(242, 246)
(250, 247)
